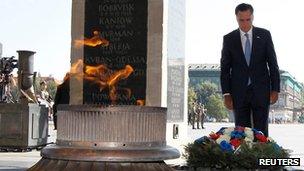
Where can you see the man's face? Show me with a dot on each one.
(244, 19)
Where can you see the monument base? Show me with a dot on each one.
(67, 165)
(94, 137)
(55, 157)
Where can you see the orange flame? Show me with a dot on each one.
(140, 102)
(121, 74)
(76, 69)
(104, 77)
(97, 74)
(96, 40)
(115, 78)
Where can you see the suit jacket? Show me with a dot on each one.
(62, 95)
(263, 69)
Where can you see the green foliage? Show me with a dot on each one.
(204, 91)
(301, 118)
(192, 98)
(209, 154)
(15, 93)
(51, 85)
(37, 81)
(216, 108)
(51, 88)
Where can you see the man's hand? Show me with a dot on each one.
(228, 101)
(273, 97)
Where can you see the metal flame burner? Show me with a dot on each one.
(111, 138)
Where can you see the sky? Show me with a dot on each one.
(44, 26)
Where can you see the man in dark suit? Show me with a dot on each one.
(250, 78)
(62, 96)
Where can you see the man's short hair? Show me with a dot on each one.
(243, 7)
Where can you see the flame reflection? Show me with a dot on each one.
(94, 41)
(104, 78)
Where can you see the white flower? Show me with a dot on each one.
(223, 138)
(248, 129)
(249, 134)
(270, 139)
(249, 142)
(228, 130)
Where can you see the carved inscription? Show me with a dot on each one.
(124, 24)
(175, 100)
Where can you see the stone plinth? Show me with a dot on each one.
(91, 135)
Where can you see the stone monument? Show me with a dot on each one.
(120, 35)
(114, 120)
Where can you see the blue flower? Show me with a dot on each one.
(255, 131)
(221, 131)
(276, 146)
(237, 134)
(225, 146)
(201, 140)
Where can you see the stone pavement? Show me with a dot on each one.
(20, 161)
(290, 136)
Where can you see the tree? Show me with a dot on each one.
(216, 108)
(36, 84)
(204, 91)
(192, 98)
(51, 85)
(301, 118)
(51, 88)
(50, 82)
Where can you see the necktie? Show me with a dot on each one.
(247, 53)
(247, 49)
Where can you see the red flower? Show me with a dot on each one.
(261, 137)
(235, 142)
(214, 136)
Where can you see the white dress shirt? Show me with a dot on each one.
(243, 38)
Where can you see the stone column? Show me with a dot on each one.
(133, 30)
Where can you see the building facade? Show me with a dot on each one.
(199, 73)
(286, 109)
